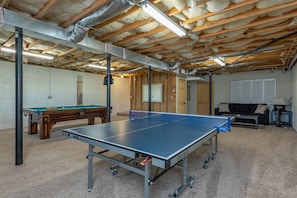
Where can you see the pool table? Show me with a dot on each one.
(46, 117)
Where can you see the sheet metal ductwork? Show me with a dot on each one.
(110, 9)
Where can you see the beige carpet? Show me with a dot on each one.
(250, 163)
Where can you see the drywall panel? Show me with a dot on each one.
(43, 86)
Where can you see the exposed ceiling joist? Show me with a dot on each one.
(227, 29)
(41, 30)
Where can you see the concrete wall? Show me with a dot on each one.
(40, 82)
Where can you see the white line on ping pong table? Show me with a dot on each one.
(137, 130)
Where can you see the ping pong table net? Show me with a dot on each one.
(222, 124)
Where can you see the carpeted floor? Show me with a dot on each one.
(250, 163)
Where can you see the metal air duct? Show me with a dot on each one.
(110, 9)
(39, 29)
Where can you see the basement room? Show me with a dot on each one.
(148, 98)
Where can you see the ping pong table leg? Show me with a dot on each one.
(206, 162)
(147, 172)
(211, 155)
(210, 149)
(90, 167)
(187, 181)
(216, 143)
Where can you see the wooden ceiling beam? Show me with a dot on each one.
(229, 8)
(79, 54)
(184, 40)
(30, 45)
(116, 18)
(66, 52)
(224, 31)
(174, 10)
(125, 29)
(95, 6)
(260, 31)
(44, 10)
(226, 41)
(50, 48)
(141, 35)
(251, 13)
(5, 3)
(259, 41)
(258, 22)
(10, 42)
(163, 45)
(171, 12)
(170, 35)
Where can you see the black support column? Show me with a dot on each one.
(108, 86)
(150, 88)
(19, 96)
(210, 93)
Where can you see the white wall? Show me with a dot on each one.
(222, 83)
(40, 82)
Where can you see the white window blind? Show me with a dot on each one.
(270, 90)
(253, 91)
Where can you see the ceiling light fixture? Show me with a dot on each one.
(219, 61)
(154, 12)
(9, 50)
(195, 78)
(99, 67)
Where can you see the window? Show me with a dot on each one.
(253, 91)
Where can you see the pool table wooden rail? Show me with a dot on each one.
(49, 117)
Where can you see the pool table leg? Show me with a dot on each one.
(45, 127)
(32, 126)
(91, 121)
(103, 118)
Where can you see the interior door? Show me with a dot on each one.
(182, 96)
(203, 97)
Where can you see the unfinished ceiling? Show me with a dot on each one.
(246, 35)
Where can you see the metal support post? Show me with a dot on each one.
(210, 93)
(90, 168)
(19, 96)
(150, 88)
(108, 87)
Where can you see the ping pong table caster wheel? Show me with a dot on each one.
(114, 172)
(150, 182)
(205, 165)
(191, 184)
(172, 196)
(213, 157)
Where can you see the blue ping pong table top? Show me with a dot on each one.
(158, 135)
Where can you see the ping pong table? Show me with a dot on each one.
(151, 140)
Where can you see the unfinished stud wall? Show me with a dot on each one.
(168, 82)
